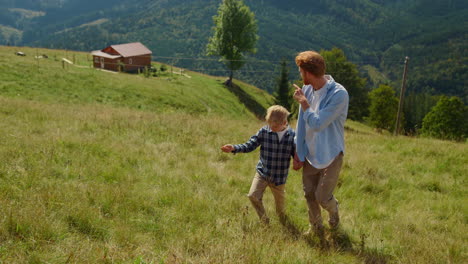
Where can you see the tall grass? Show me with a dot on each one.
(105, 182)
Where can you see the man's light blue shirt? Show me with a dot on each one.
(326, 124)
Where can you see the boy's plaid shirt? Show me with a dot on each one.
(275, 156)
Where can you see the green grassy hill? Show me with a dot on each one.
(97, 167)
(375, 35)
(48, 80)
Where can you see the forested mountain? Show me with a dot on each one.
(374, 34)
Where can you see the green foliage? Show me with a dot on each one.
(383, 107)
(448, 119)
(346, 73)
(283, 95)
(235, 33)
(443, 77)
(435, 67)
(415, 108)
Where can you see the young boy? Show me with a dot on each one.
(276, 141)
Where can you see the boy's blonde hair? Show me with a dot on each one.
(277, 114)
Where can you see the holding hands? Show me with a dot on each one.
(297, 163)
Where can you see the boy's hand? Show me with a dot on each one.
(297, 163)
(227, 148)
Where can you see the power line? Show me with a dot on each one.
(262, 60)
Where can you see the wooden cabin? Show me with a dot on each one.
(124, 57)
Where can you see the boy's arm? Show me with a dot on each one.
(293, 150)
(250, 145)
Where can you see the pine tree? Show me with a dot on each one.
(416, 106)
(283, 95)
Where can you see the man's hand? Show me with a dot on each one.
(227, 148)
(299, 96)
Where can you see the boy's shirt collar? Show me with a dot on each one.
(288, 129)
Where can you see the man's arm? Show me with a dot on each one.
(319, 120)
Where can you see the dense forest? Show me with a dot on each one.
(376, 35)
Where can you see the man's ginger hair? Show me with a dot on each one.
(277, 114)
(311, 61)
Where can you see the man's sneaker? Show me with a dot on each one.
(265, 220)
(316, 229)
(334, 220)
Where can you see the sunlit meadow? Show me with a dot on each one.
(98, 167)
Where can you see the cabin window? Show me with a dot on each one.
(129, 61)
(96, 59)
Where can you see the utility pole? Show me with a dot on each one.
(402, 97)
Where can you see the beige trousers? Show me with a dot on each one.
(318, 188)
(256, 195)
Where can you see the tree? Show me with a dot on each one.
(235, 33)
(415, 108)
(347, 74)
(284, 91)
(447, 120)
(383, 107)
(283, 95)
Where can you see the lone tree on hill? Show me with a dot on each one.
(235, 33)
(447, 120)
(383, 108)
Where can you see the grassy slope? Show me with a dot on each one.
(46, 80)
(87, 177)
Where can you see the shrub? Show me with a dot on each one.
(383, 108)
(447, 120)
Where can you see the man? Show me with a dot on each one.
(320, 137)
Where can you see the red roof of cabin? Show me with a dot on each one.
(122, 50)
(131, 49)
